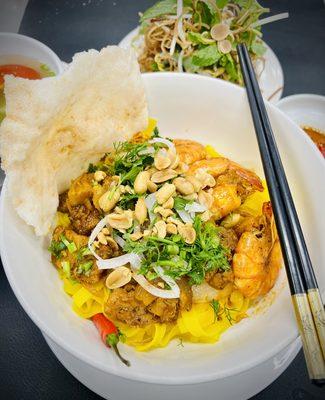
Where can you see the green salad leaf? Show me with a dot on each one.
(206, 56)
(161, 8)
(258, 48)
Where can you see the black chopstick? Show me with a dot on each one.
(305, 264)
(309, 310)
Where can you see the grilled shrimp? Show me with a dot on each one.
(233, 183)
(189, 151)
(257, 259)
(226, 170)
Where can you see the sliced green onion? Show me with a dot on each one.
(66, 268)
(70, 245)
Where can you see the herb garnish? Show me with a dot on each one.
(179, 258)
(219, 311)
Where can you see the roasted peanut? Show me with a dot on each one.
(161, 229)
(99, 176)
(118, 278)
(141, 210)
(195, 182)
(165, 192)
(163, 176)
(141, 182)
(171, 228)
(183, 186)
(120, 221)
(206, 199)
(152, 187)
(136, 236)
(169, 203)
(109, 199)
(164, 212)
(188, 233)
(162, 160)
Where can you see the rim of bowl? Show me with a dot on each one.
(300, 96)
(55, 57)
(131, 373)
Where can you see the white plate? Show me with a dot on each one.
(271, 80)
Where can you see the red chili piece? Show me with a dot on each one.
(109, 334)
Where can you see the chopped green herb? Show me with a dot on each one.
(128, 201)
(66, 268)
(180, 203)
(56, 248)
(179, 258)
(216, 308)
(47, 70)
(71, 246)
(84, 268)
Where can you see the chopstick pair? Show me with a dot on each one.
(305, 294)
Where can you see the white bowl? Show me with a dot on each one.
(305, 109)
(16, 44)
(251, 354)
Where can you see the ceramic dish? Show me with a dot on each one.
(251, 354)
(21, 45)
(271, 80)
(305, 109)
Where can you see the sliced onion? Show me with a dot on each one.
(185, 216)
(150, 201)
(149, 150)
(173, 293)
(167, 142)
(119, 261)
(195, 208)
(101, 224)
(120, 241)
(168, 279)
(204, 293)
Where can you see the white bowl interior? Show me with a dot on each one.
(16, 44)
(214, 112)
(305, 109)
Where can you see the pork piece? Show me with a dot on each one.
(123, 306)
(84, 219)
(142, 295)
(63, 202)
(93, 276)
(165, 309)
(81, 189)
(228, 239)
(219, 280)
(108, 250)
(185, 301)
(135, 307)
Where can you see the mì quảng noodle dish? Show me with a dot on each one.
(166, 239)
(154, 238)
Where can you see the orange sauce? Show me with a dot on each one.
(317, 137)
